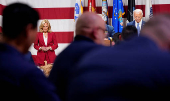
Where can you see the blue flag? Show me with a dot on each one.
(78, 9)
(118, 12)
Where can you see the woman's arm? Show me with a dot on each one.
(55, 44)
(36, 46)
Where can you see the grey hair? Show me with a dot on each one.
(137, 10)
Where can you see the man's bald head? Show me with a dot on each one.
(158, 28)
(88, 24)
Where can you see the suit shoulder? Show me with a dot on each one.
(52, 33)
(130, 23)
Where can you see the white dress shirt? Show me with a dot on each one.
(140, 24)
(45, 39)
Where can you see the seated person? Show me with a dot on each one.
(129, 32)
(111, 32)
(21, 80)
(90, 29)
(117, 38)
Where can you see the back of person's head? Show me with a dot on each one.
(157, 29)
(15, 19)
(129, 32)
(117, 38)
(91, 25)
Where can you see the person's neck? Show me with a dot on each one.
(45, 32)
(20, 46)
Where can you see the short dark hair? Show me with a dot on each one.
(116, 38)
(15, 19)
(128, 32)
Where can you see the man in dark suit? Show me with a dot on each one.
(90, 31)
(138, 22)
(136, 70)
(110, 32)
(21, 80)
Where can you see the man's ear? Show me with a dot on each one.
(94, 33)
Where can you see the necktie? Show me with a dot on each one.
(138, 28)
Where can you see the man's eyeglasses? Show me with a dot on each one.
(103, 29)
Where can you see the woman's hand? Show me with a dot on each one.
(44, 49)
(48, 48)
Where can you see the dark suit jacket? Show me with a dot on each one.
(28, 57)
(133, 23)
(110, 30)
(39, 42)
(21, 80)
(65, 62)
(132, 71)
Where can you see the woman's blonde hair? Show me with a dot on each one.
(42, 24)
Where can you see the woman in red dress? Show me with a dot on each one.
(45, 43)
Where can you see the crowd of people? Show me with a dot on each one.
(135, 68)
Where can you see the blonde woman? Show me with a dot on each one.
(45, 43)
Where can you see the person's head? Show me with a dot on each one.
(138, 15)
(157, 29)
(128, 32)
(117, 38)
(91, 25)
(45, 26)
(103, 17)
(19, 25)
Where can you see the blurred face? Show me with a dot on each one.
(32, 34)
(138, 16)
(45, 27)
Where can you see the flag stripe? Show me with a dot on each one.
(61, 25)
(57, 25)
(1, 8)
(64, 37)
(42, 3)
(52, 13)
(56, 13)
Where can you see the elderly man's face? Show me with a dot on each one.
(138, 16)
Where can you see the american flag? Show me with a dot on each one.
(151, 12)
(60, 13)
(148, 10)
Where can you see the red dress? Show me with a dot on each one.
(49, 56)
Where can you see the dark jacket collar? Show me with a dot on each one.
(82, 38)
